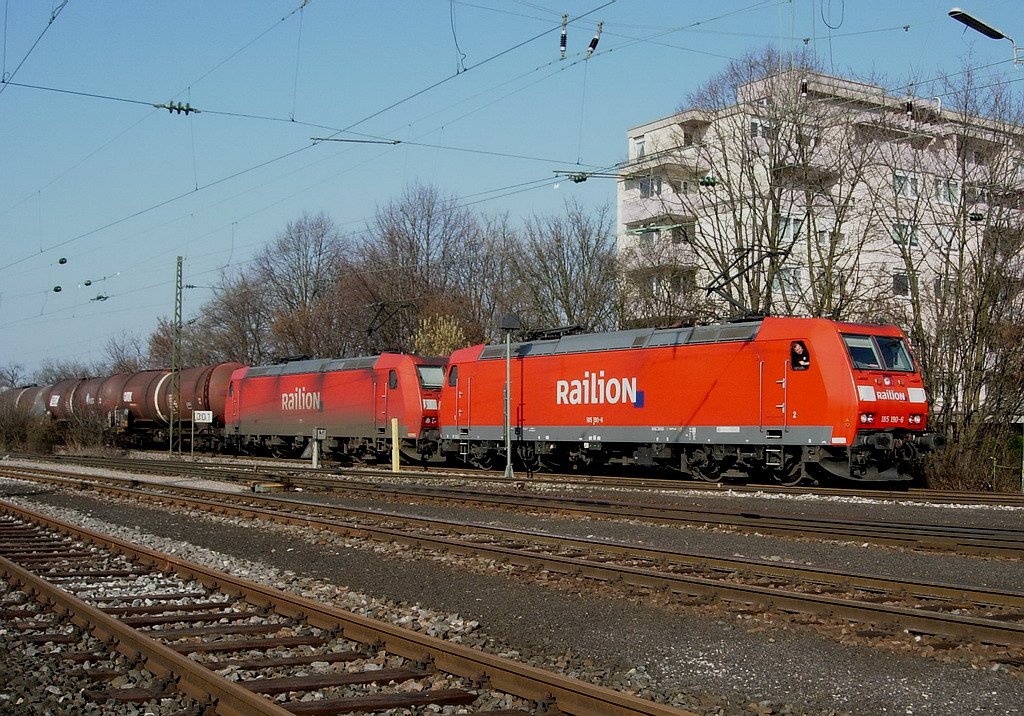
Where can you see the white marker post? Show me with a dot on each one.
(394, 445)
(203, 417)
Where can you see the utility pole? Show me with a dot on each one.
(174, 392)
(508, 324)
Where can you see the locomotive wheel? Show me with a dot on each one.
(790, 473)
(529, 460)
(703, 466)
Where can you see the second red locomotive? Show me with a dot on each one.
(277, 408)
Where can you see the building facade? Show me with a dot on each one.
(812, 195)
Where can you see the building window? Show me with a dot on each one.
(763, 129)
(650, 186)
(681, 233)
(825, 239)
(900, 284)
(905, 185)
(947, 191)
(638, 147)
(789, 228)
(904, 234)
(671, 283)
(788, 280)
(976, 194)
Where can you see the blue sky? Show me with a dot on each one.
(92, 173)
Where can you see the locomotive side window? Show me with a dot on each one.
(862, 352)
(431, 376)
(392, 379)
(453, 376)
(799, 358)
(894, 353)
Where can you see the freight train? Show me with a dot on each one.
(787, 399)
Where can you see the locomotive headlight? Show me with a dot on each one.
(916, 419)
(867, 418)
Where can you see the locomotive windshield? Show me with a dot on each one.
(878, 353)
(431, 376)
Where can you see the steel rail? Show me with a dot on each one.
(190, 677)
(985, 542)
(923, 620)
(278, 470)
(570, 695)
(805, 573)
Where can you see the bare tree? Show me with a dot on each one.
(952, 186)
(12, 375)
(237, 320)
(125, 353)
(565, 270)
(296, 273)
(409, 258)
(54, 371)
(195, 349)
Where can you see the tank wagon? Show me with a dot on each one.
(786, 398)
(277, 408)
(29, 401)
(135, 407)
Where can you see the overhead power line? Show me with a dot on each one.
(53, 16)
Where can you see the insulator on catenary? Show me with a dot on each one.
(597, 38)
(561, 45)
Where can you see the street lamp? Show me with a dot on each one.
(987, 30)
(508, 324)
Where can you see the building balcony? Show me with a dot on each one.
(676, 163)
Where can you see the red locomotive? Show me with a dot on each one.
(789, 398)
(276, 408)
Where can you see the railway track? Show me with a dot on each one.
(190, 625)
(953, 611)
(289, 471)
(982, 541)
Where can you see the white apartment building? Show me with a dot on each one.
(808, 194)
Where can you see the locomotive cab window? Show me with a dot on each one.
(453, 376)
(431, 376)
(862, 352)
(392, 379)
(799, 358)
(894, 353)
(879, 353)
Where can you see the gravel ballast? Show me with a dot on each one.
(707, 660)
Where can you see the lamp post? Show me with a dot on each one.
(1018, 59)
(508, 324)
(987, 30)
